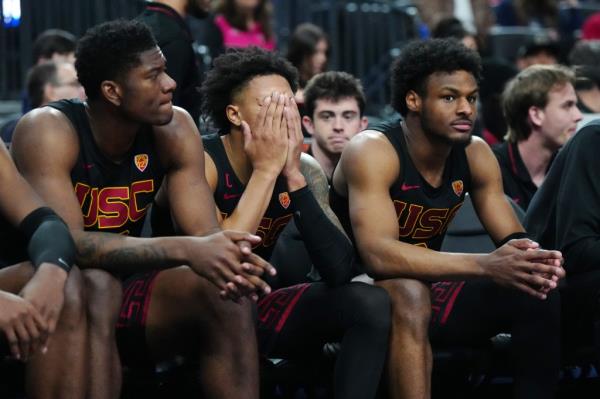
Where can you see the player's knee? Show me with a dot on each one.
(73, 313)
(104, 293)
(371, 305)
(411, 303)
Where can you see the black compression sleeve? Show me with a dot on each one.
(513, 236)
(330, 251)
(48, 239)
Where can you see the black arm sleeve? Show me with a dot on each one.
(330, 251)
(48, 239)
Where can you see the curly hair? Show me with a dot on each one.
(333, 85)
(420, 59)
(108, 51)
(232, 71)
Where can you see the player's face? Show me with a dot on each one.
(334, 123)
(249, 100)
(560, 116)
(148, 90)
(449, 107)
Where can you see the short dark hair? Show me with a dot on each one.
(333, 85)
(37, 78)
(232, 71)
(53, 41)
(109, 50)
(420, 59)
(585, 59)
(528, 89)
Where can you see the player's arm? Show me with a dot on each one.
(494, 210)
(46, 149)
(330, 250)
(370, 166)
(190, 196)
(487, 194)
(265, 146)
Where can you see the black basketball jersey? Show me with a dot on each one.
(423, 211)
(114, 197)
(229, 190)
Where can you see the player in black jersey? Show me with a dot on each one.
(99, 164)
(42, 321)
(398, 186)
(260, 181)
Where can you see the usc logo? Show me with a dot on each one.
(420, 224)
(112, 207)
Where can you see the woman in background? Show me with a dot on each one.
(307, 51)
(245, 23)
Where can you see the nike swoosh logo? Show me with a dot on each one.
(88, 165)
(62, 262)
(230, 196)
(406, 187)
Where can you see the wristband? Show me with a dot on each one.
(513, 236)
(48, 239)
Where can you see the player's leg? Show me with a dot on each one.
(103, 303)
(482, 309)
(409, 359)
(66, 355)
(581, 310)
(297, 321)
(187, 317)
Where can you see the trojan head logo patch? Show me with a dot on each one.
(284, 199)
(141, 161)
(458, 187)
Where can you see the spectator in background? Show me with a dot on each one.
(334, 103)
(541, 111)
(452, 27)
(561, 21)
(541, 50)
(166, 19)
(308, 50)
(51, 45)
(47, 82)
(245, 23)
(495, 74)
(585, 59)
(590, 30)
(476, 16)
(54, 45)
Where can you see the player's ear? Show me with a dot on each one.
(535, 115)
(112, 91)
(308, 124)
(233, 115)
(364, 122)
(413, 101)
